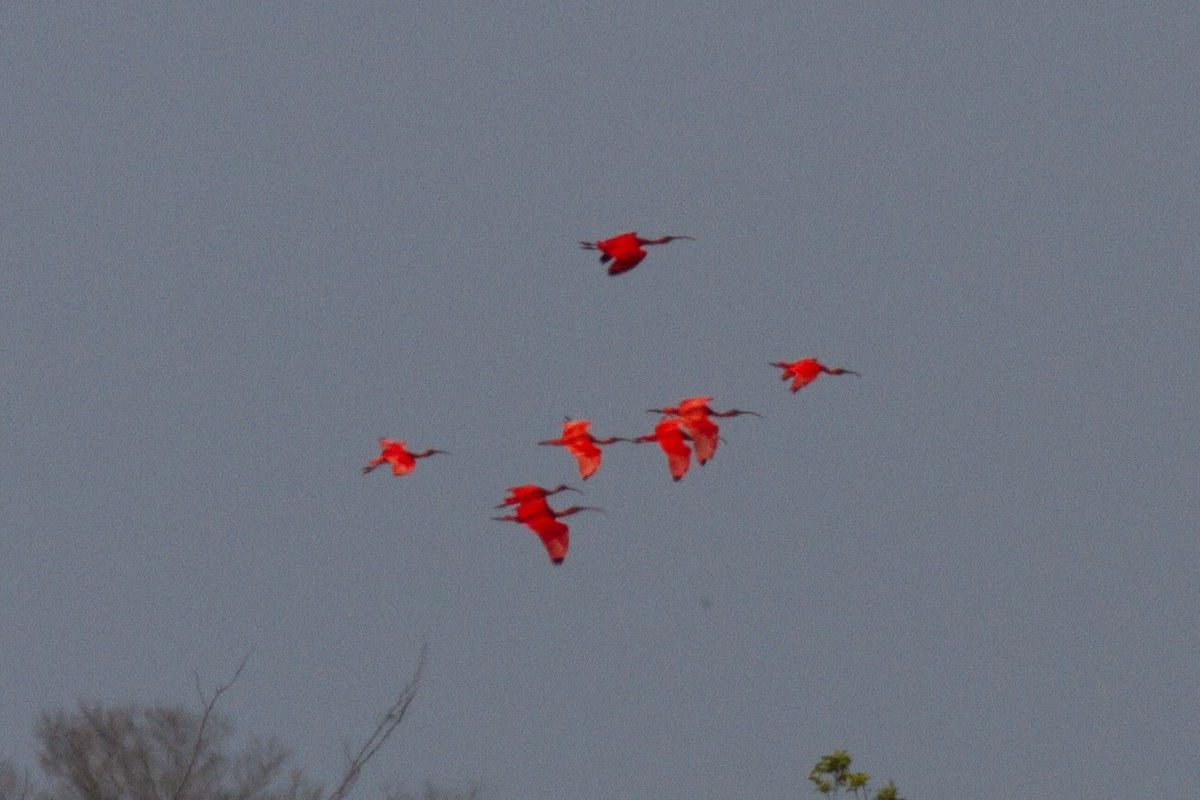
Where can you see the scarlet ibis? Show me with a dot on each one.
(625, 250)
(531, 491)
(696, 413)
(393, 451)
(544, 522)
(805, 371)
(670, 438)
(582, 444)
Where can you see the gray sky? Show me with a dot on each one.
(239, 245)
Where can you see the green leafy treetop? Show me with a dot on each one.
(832, 773)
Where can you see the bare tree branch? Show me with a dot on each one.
(391, 720)
(169, 753)
(208, 709)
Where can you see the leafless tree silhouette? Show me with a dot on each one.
(170, 753)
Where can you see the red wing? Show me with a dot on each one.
(706, 446)
(801, 378)
(626, 263)
(554, 536)
(678, 455)
(677, 462)
(401, 466)
(518, 494)
(587, 455)
(575, 428)
(704, 436)
(693, 405)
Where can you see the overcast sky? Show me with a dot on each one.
(240, 244)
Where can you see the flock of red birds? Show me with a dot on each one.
(691, 421)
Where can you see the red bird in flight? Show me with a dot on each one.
(582, 444)
(392, 451)
(625, 250)
(805, 371)
(696, 415)
(539, 517)
(530, 502)
(671, 439)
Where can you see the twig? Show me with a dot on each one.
(391, 720)
(209, 705)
